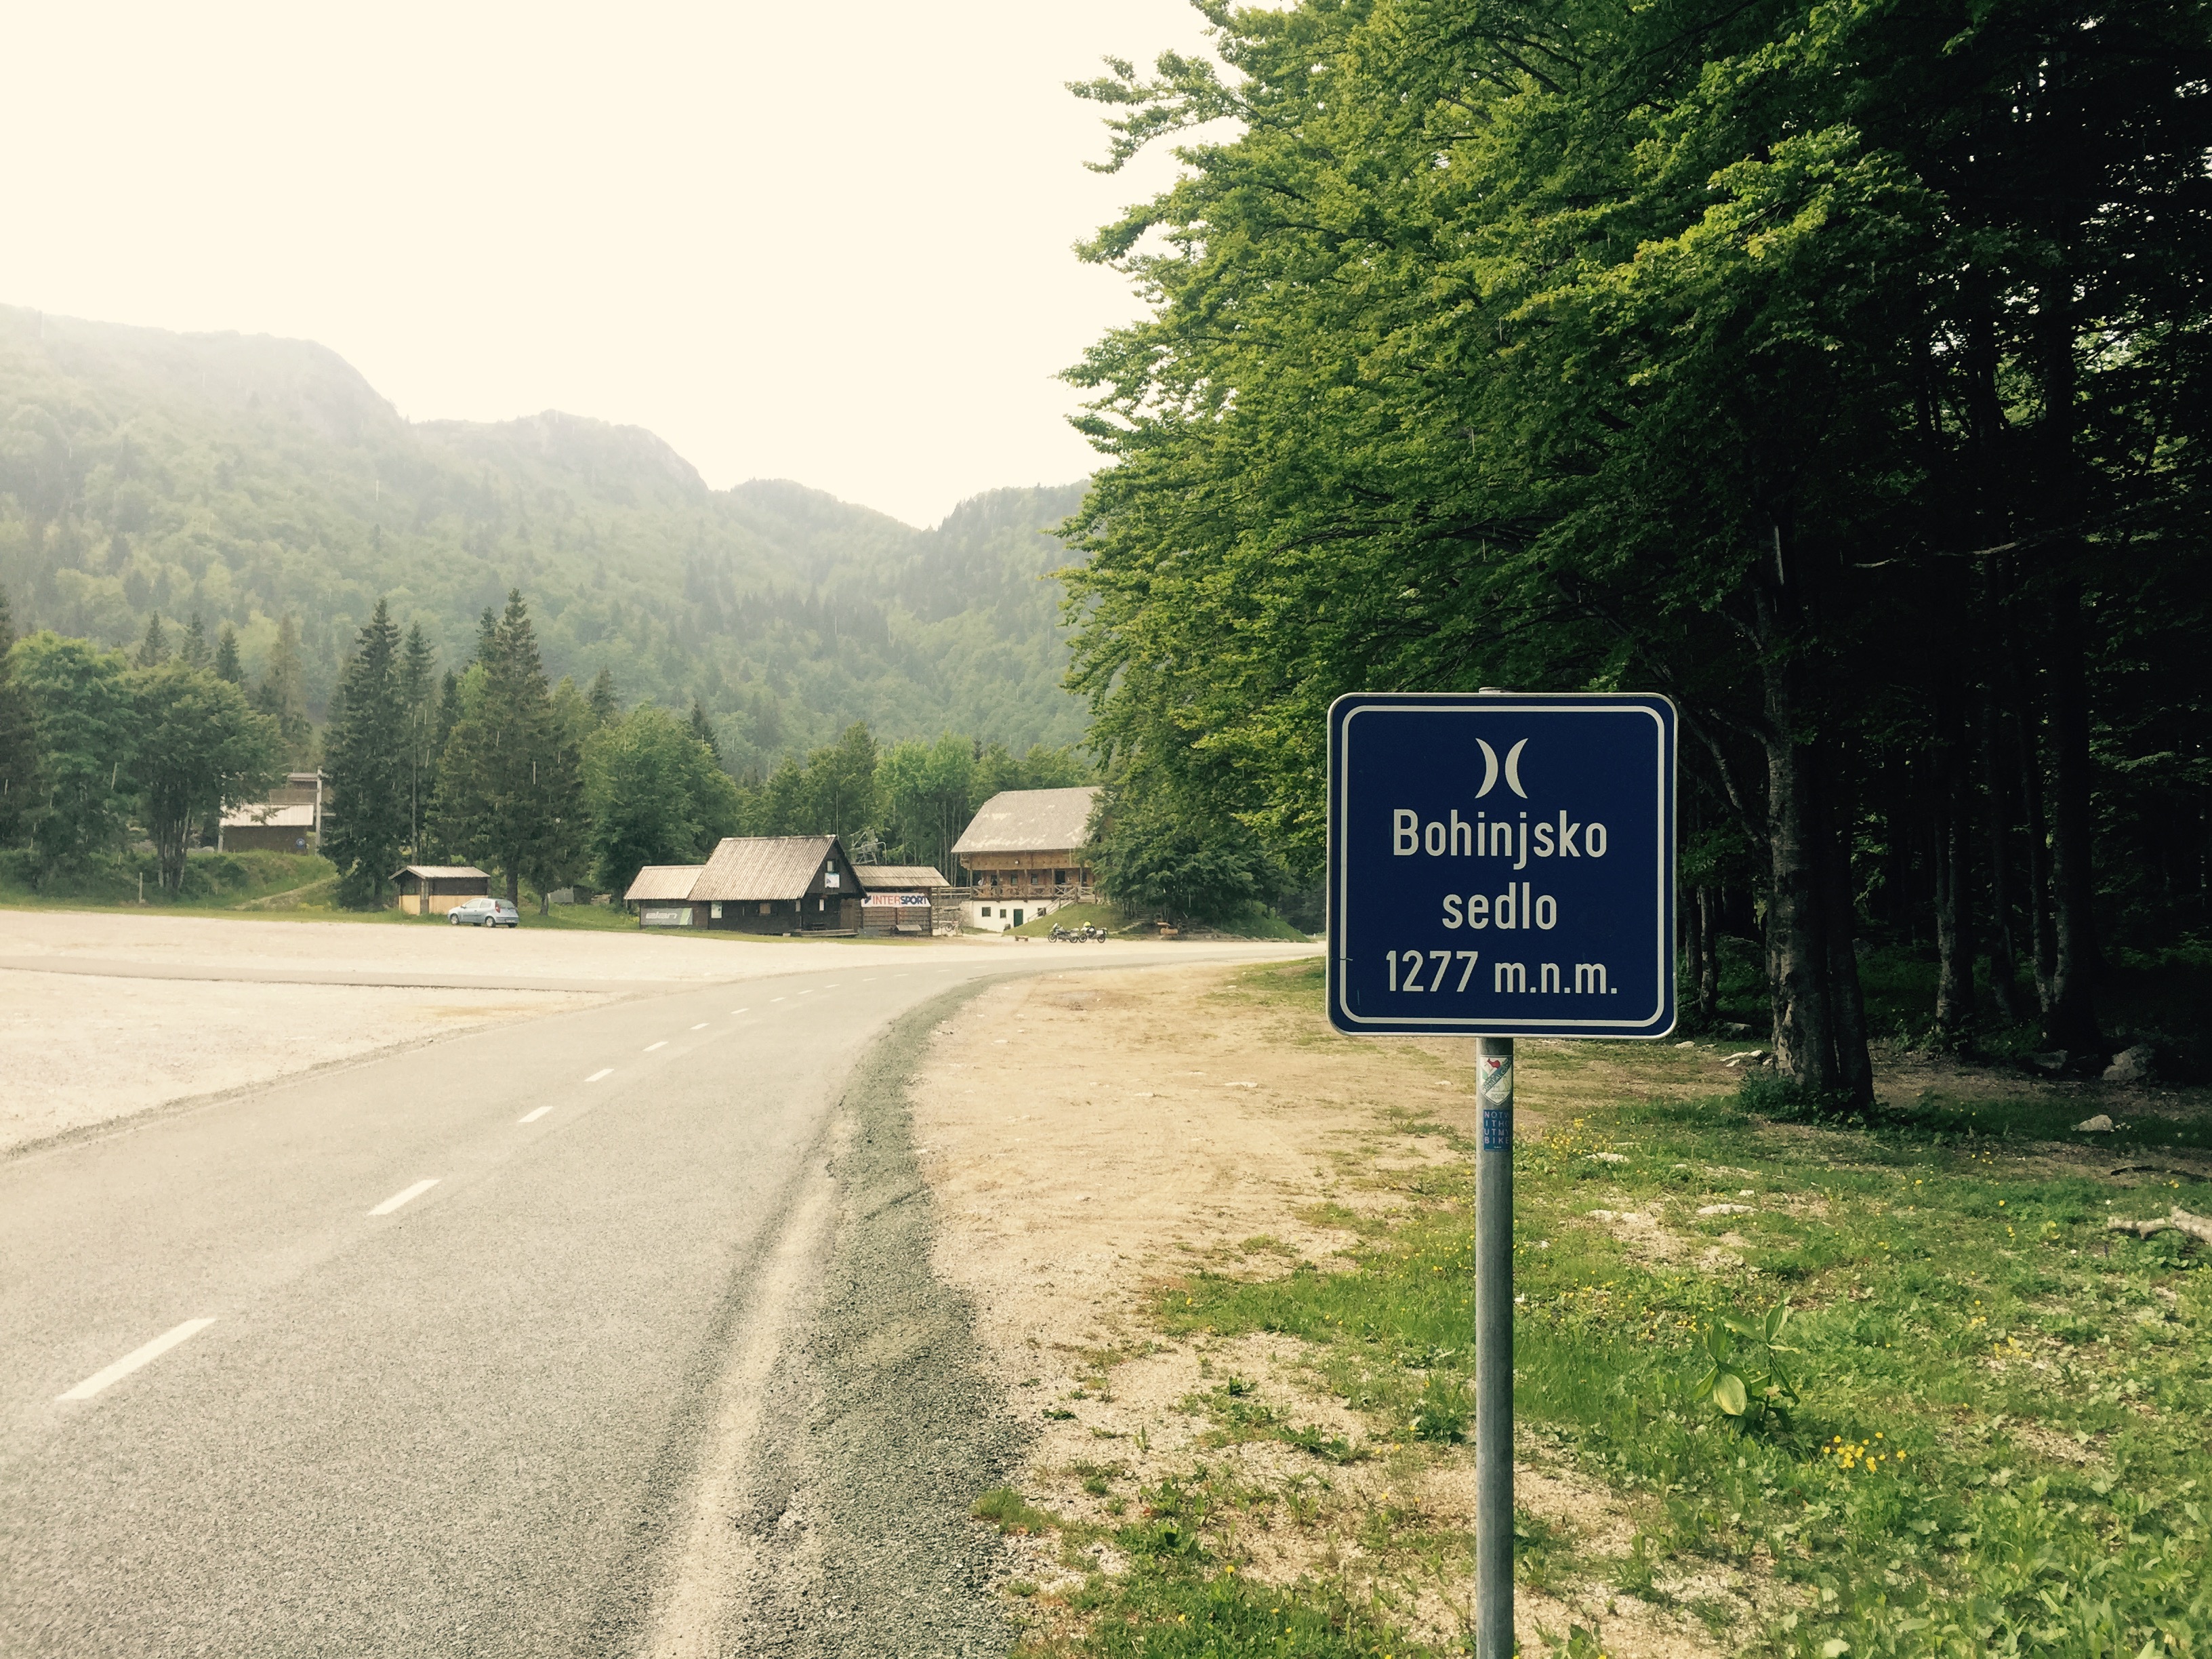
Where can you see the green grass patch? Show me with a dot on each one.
(2001, 1444)
(212, 881)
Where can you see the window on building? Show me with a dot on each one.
(714, 909)
(767, 906)
(1059, 878)
(829, 878)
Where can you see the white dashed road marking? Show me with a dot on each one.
(407, 1197)
(137, 1357)
(533, 1117)
(701, 1026)
(650, 1047)
(734, 1012)
(604, 1070)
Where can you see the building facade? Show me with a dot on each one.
(906, 898)
(1024, 855)
(290, 821)
(431, 890)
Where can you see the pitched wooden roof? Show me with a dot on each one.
(441, 872)
(1030, 821)
(664, 881)
(744, 867)
(891, 877)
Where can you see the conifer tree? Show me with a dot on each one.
(282, 693)
(192, 651)
(605, 707)
(368, 813)
(154, 648)
(509, 787)
(418, 698)
(702, 728)
(19, 753)
(227, 666)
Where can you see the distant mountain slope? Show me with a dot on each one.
(246, 476)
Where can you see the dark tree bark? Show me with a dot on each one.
(1709, 956)
(2002, 965)
(1953, 869)
(1820, 1038)
(2070, 1020)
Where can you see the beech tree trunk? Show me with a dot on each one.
(1954, 920)
(2070, 1020)
(1818, 1018)
(2002, 968)
(1709, 958)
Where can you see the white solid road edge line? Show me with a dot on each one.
(137, 1357)
(533, 1117)
(604, 1070)
(408, 1196)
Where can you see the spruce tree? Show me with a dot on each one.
(193, 650)
(418, 699)
(509, 789)
(19, 752)
(368, 826)
(703, 729)
(227, 666)
(282, 693)
(605, 709)
(154, 648)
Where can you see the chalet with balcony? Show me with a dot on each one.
(1024, 855)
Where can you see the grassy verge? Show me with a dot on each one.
(1999, 1438)
(212, 882)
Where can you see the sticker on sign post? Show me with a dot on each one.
(1501, 865)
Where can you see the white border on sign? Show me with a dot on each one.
(1500, 1026)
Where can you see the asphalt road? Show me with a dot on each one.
(516, 1344)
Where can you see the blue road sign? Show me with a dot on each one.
(1501, 864)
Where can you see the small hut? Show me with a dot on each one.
(900, 898)
(661, 895)
(431, 890)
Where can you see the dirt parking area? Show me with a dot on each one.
(1089, 1138)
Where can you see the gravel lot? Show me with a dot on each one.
(105, 1014)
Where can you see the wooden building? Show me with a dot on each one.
(431, 890)
(905, 898)
(1024, 855)
(290, 821)
(661, 895)
(778, 884)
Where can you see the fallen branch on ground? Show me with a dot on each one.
(2177, 1220)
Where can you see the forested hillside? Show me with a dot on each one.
(247, 478)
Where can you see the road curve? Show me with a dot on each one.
(512, 1344)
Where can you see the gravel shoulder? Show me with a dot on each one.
(831, 1505)
(1091, 1138)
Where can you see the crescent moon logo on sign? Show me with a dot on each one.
(1488, 769)
(1513, 768)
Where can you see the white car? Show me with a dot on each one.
(484, 913)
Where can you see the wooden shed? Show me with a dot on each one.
(431, 890)
(778, 884)
(900, 898)
(661, 895)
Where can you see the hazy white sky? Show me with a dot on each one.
(823, 242)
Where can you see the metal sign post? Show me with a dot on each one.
(1500, 865)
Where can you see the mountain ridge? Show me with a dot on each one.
(250, 476)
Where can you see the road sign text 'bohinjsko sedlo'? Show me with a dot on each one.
(1502, 864)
